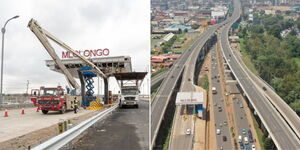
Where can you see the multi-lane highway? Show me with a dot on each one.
(220, 112)
(281, 133)
(160, 101)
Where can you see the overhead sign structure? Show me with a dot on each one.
(189, 98)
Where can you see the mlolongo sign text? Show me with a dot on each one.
(86, 53)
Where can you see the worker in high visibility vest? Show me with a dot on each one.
(75, 105)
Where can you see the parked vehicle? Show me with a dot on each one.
(250, 136)
(53, 99)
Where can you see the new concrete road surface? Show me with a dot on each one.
(179, 139)
(16, 124)
(280, 132)
(220, 112)
(125, 129)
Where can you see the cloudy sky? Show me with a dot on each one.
(123, 26)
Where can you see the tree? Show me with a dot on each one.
(256, 29)
(195, 26)
(269, 144)
(185, 30)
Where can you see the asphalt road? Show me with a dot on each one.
(161, 100)
(280, 132)
(218, 101)
(126, 129)
(289, 114)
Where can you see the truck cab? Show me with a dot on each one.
(129, 97)
(129, 83)
(53, 99)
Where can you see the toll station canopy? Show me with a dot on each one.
(130, 75)
(189, 98)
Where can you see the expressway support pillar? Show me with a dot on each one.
(105, 90)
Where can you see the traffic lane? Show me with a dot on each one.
(161, 102)
(276, 124)
(220, 116)
(161, 99)
(126, 129)
(180, 140)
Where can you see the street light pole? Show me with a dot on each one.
(2, 54)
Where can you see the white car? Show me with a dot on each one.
(253, 147)
(188, 131)
(218, 131)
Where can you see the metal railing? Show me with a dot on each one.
(62, 139)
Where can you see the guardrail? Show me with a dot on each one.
(62, 139)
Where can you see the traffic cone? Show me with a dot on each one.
(23, 111)
(6, 113)
(37, 109)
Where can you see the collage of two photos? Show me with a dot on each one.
(150, 75)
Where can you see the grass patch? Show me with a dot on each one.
(246, 58)
(166, 144)
(260, 134)
(206, 82)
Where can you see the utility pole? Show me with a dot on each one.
(27, 87)
(3, 32)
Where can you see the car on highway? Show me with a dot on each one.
(225, 123)
(241, 105)
(253, 147)
(218, 131)
(248, 147)
(219, 108)
(243, 131)
(246, 140)
(240, 139)
(188, 131)
(242, 145)
(264, 88)
(221, 125)
(224, 138)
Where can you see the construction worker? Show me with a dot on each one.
(75, 105)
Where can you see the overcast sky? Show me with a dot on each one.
(122, 26)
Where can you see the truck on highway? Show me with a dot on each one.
(53, 99)
(129, 83)
(214, 90)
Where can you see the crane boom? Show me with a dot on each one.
(43, 34)
(38, 31)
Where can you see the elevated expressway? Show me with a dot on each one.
(160, 101)
(283, 128)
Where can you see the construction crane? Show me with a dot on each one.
(43, 36)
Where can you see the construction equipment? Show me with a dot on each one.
(53, 99)
(43, 36)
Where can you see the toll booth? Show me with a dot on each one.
(192, 99)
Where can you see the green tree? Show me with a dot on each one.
(195, 26)
(269, 144)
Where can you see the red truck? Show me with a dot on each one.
(53, 99)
